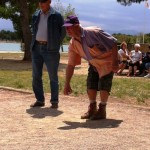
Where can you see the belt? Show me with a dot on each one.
(42, 42)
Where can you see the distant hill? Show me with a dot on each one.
(130, 32)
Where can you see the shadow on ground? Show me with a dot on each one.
(106, 123)
(43, 112)
(15, 65)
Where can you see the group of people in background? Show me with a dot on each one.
(137, 62)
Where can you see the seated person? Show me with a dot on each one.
(123, 55)
(147, 63)
(135, 57)
(142, 66)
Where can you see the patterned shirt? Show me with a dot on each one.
(96, 46)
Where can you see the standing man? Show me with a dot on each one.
(100, 50)
(47, 36)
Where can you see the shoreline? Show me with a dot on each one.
(10, 42)
(11, 52)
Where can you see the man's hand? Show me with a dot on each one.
(67, 89)
(69, 73)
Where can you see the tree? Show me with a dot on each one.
(132, 38)
(8, 35)
(129, 2)
(20, 13)
(65, 11)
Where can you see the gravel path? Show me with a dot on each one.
(25, 128)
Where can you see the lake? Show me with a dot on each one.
(16, 47)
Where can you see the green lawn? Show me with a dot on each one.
(138, 88)
(18, 75)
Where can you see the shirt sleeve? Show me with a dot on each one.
(74, 58)
(120, 52)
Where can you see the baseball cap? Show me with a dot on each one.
(43, 1)
(71, 20)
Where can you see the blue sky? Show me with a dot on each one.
(107, 14)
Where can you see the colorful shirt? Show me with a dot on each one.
(96, 46)
(120, 52)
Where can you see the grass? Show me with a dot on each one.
(122, 87)
(131, 87)
(21, 78)
(21, 54)
(11, 55)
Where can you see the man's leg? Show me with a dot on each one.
(121, 68)
(92, 95)
(92, 86)
(135, 69)
(37, 84)
(104, 96)
(105, 84)
(130, 71)
(52, 63)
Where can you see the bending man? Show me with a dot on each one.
(100, 50)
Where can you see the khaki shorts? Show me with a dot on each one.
(96, 83)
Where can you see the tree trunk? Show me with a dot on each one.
(24, 18)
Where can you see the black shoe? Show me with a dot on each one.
(54, 105)
(37, 104)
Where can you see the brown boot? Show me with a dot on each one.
(91, 111)
(100, 114)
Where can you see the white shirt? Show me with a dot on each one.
(136, 56)
(42, 26)
(120, 52)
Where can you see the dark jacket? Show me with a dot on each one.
(56, 32)
(146, 58)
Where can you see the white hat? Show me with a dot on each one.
(137, 45)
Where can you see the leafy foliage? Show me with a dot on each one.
(20, 13)
(129, 2)
(132, 38)
(8, 35)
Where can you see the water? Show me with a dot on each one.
(65, 48)
(16, 47)
(10, 47)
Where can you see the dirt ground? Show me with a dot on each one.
(127, 127)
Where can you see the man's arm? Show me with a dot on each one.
(62, 29)
(69, 74)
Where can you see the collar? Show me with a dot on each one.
(82, 32)
(51, 11)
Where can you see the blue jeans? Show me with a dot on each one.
(41, 55)
(147, 65)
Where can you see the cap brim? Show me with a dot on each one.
(67, 25)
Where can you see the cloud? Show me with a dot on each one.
(110, 14)
(107, 14)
